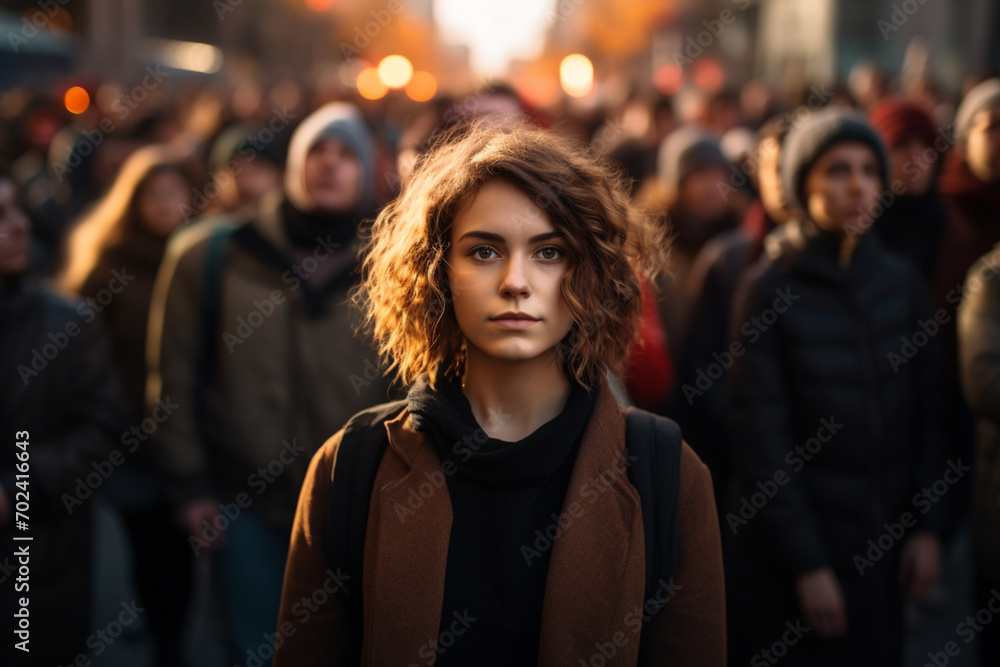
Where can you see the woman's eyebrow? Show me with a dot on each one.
(491, 236)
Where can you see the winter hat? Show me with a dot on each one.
(896, 119)
(243, 140)
(686, 150)
(338, 120)
(819, 132)
(985, 95)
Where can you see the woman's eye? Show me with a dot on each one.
(550, 253)
(482, 252)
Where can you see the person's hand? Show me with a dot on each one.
(4, 508)
(198, 516)
(920, 565)
(822, 602)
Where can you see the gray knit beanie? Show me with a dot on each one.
(819, 132)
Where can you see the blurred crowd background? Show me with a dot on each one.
(126, 124)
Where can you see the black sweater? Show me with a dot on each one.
(506, 498)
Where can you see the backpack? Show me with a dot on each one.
(655, 442)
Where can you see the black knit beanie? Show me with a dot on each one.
(807, 142)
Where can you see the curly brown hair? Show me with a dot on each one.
(611, 246)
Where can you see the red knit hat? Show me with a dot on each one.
(896, 119)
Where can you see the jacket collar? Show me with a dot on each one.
(596, 574)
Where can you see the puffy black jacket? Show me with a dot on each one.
(833, 403)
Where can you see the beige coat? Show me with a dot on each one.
(283, 379)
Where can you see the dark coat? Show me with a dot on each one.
(59, 385)
(699, 400)
(835, 423)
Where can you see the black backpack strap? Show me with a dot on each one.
(358, 457)
(215, 258)
(653, 444)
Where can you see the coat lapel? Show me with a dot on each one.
(407, 550)
(597, 572)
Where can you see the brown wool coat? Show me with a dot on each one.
(594, 591)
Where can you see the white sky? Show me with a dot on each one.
(495, 31)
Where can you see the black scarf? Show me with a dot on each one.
(303, 228)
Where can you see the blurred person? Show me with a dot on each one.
(664, 120)
(738, 146)
(250, 334)
(978, 340)
(243, 168)
(836, 434)
(650, 373)
(723, 112)
(867, 84)
(45, 198)
(693, 177)
(699, 403)
(421, 129)
(757, 102)
(61, 414)
(914, 220)
(113, 256)
(475, 236)
(970, 186)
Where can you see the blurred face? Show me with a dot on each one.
(162, 202)
(333, 176)
(842, 187)
(769, 180)
(982, 147)
(907, 166)
(701, 195)
(14, 231)
(254, 178)
(506, 262)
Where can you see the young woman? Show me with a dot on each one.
(113, 255)
(503, 285)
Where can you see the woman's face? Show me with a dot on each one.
(14, 231)
(505, 258)
(163, 200)
(842, 187)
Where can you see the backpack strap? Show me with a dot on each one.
(653, 444)
(215, 258)
(653, 441)
(361, 449)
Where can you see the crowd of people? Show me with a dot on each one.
(196, 296)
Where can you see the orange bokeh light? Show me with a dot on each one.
(668, 78)
(421, 87)
(370, 86)
(77, 100)
(320, 5)
(708, 75)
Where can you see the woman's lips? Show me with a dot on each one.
(511, 323)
